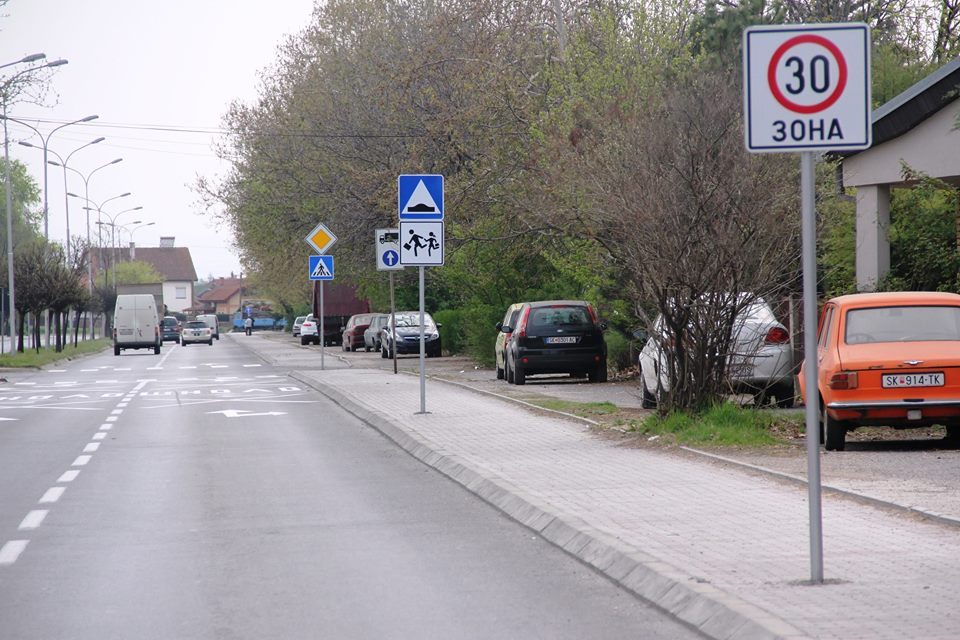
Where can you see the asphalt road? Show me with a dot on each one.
(201, 493)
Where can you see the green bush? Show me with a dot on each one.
(451, 330)
(618, 350)
(480, 331)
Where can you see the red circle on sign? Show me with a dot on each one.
(782, 50)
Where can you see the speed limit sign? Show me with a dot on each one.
(807, 87)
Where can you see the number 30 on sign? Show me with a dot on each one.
(807, 87)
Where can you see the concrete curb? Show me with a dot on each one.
(713, 612)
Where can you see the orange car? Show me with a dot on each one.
(888, 359)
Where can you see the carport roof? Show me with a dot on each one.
(916, 104)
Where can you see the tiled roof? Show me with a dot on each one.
(221, 290)
(173, 263)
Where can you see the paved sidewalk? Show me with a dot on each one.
(725, 550)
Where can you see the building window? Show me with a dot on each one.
(181, 293)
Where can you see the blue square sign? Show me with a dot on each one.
(321, 267)
(420, 197)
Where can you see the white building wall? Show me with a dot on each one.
(177, 295)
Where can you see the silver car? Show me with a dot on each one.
(371, 335)
(297, 324)
(760, 363)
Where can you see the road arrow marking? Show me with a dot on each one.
(241, 413)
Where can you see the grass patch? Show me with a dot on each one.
(32, 359)
(724, 425)
(582, 409)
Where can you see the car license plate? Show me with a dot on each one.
(561, 340)
(126, 332)
(899, 380)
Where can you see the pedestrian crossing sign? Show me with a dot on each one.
(420, 197)
(321, 267)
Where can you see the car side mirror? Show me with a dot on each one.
(505, 328)
(439, 325)
(499, 325)
(603, 326)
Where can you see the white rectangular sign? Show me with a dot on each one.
(386, 246)
(421, 243)
(807, 87)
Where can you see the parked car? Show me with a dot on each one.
(371, 335)
(196, 331)
(404, 336)
(353, 331)
(297, 324)
(887, 359)
(210, 319)
(760, 361)
(170, 329)
(503, 337)
(556, 336)
(310, 331)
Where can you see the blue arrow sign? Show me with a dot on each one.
(420, 197)
(321, 267)
(390, 259)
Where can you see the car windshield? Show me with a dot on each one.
(196, 324)
(413, 320)
(902, 324)
(568, 318)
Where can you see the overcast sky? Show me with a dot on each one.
(155, 73)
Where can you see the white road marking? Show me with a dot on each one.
(91, 447)
(106, 381)
(154, 368)
(88, 370)
(81, 461)
(12, 550)
(111, 419)
(106, 427)
(253, 365)
(219, 366)
(52, 495)
(189, 367)
(116, 412)
(54, 370)
(33, 520)
(69, 476)
(122, 405)
(100, 435)
(126, 369)
(25, 384)
(243, 413)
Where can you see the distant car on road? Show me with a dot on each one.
(170, 329)
(887, 359)
(556, 336)
(371, 335)
(404, 335)
(297, 324)
(210, 319)
(353, 331)
(196, 331)
(310, 331)
(503, 337)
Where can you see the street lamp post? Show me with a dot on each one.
(7, 183)
(63, 164)
(113, 236)
(86, 187)
(131, 232)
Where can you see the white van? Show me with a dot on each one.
(135, 323)
(210, 320)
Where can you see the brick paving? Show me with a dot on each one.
(724, 549)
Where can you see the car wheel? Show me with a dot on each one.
(210, 342)
(953, 432)
(500, 373)
(519, 376)
(316, 340)
(647, 399)
(366, 348)
(835, 432)
(598, 373)
(507, 371)
(383, 352)
(156, 350)
(116, 349)
(304, 341)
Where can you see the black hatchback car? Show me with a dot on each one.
(170, 328)
(557, 336)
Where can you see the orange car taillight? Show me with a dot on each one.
(844, 380)
(777, 335)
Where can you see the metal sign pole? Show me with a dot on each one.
(809, 235)
(393, 324)
(423, 354)
(323, 342)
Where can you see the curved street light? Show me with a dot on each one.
(7, 183)
(132, 231)
(63, 164)
(113, 235)
(86, 187)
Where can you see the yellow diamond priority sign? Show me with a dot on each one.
(321, 238)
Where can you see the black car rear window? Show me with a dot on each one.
(565, 319)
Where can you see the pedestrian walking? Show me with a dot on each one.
(248, 325)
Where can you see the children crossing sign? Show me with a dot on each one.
(421, 244)
(807, 87)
